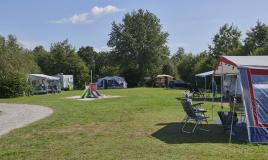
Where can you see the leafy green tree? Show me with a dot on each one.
(255, 40)
(88, 55)
(43, 59)
(139, 44)
(226, 41)
(178, 55)
(65, 60)
(168, 69)
(106, 64)
(15, 65)
(185, 67)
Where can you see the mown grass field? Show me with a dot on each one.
(142, 124)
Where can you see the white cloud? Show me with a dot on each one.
(88, 17)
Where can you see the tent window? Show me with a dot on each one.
(260, 87)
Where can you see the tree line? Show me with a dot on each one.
(138, 50)
(227, 41)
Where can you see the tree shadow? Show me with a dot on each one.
(171, 133)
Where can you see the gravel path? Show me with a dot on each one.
(19, 115)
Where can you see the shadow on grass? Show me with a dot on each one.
(171, 133)
(208, 99)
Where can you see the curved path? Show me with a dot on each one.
(19, 115)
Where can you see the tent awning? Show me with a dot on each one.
(42, 76)
(164, 75)
(229, 64)
(204, 74)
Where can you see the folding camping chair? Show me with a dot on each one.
(196, 92)
(194, 113)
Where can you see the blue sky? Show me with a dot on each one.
(190, 23)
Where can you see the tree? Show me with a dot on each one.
(139, 44)
(15, 65)
(178, 55)
(43, 59)
(106, 64)
(226, 42)
(168, 69)
(65, 60)
(255, 40)
(185, 67)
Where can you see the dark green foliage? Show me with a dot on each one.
(168, 69)
(88, 55)
(132, 76)
(185, 67)
(12, 85)
(139, 45)
(43, 59)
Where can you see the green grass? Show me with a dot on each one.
(142, 124)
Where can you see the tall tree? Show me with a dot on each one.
(43, 59)
(65, 60)
(226, 41)
(178, 55)
(139, 45)
(87, 54)
(255, 40)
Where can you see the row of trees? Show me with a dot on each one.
(226, 42)
(138, 50)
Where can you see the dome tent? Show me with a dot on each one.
(111, 82)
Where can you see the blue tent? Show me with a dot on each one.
(252, 74)
(111, 82)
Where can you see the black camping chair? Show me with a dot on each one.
(194, 113)
(198, 92)
(195, 91)
(226, 119)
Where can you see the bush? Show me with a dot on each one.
(12, 85)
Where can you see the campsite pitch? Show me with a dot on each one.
(143, 125)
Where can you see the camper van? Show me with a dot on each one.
(66, 81)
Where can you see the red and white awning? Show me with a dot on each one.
(229, 64)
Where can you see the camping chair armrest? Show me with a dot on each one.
(197, 104)
(200, 110)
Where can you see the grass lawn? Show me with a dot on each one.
(142, 124)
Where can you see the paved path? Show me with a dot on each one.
(19, 115)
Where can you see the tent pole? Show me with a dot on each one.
(91, 75)
(205, 87)
(212, 95)
(221, 86)
(230, 136)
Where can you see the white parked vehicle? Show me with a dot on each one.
(66, 81)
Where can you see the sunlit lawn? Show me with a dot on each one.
(142, 124)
